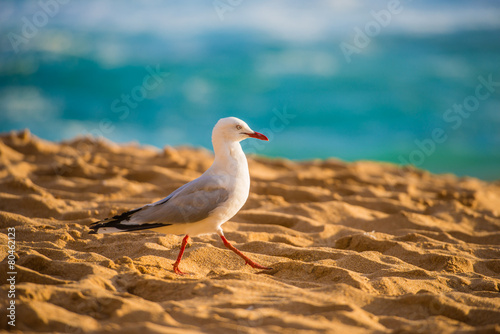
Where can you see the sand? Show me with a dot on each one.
(357, 247)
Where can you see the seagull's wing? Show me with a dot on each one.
(190, 203)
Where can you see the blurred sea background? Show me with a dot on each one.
(277, 65)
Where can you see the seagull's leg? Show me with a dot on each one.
(243, 256)
(179, 257)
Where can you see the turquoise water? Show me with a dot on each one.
(164, 73)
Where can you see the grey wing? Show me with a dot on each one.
(190, 203)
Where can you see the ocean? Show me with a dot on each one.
(408, 82)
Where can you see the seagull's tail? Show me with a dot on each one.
(114, 224)
(120, 223)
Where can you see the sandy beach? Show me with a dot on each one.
(360, 247)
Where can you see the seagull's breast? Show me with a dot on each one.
(237, 181)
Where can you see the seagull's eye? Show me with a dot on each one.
(238, 127)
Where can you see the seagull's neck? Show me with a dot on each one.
(229, 157)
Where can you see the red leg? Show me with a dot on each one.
(179, 257)
(247, 260)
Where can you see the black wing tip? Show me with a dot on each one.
(115, 222)
(129, 228)
(124, 216)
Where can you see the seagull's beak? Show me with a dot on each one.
(257, 135)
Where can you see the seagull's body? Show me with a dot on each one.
(204, 204)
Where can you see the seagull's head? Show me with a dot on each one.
(234, 129)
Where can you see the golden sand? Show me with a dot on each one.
(355, 248)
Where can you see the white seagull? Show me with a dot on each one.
(204, 204)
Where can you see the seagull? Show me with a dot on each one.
(202, 205)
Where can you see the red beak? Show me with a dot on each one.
(257, 135)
